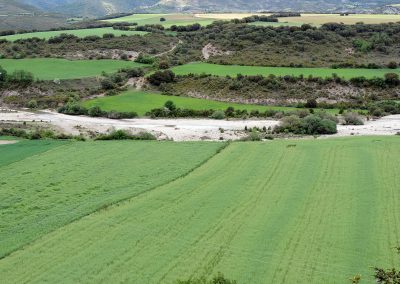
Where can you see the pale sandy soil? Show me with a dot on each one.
(6, 142)
(185, 129)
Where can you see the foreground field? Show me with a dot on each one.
(234, 70)
(79, 33)
(44, 190)
(50, 68)
(279, 212)
(143, 102)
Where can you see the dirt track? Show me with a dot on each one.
(185, 129)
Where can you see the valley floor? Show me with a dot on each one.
(185, 129)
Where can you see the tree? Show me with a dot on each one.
(162, 19)
(170, 105)
(311, 103)
(392, 79)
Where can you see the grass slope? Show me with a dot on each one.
(44, 192)
(142, 102)
(79, 33)
(50, 68)
(233, 70)
(311, 211)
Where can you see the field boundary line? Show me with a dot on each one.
(37, 154)
(118, 202)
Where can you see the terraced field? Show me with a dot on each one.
(310, 211)
(143, 102)
(79, 33)
(234, 70)
(51, 68)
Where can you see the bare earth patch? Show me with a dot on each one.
(185, 129)
(7, 142)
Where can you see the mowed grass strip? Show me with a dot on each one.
(79, 33)
(51, 68)
(44, 192)
(234, 70)
(310, 211)
(143, 102)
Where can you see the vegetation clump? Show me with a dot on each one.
(125, 135)
(313, 124)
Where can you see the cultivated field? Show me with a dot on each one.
(170, 19)
(142, 102)
(206, 19)
(45, 187)
(310, 211)
(79, 33)
(319, 19)
(51, 68)
(234, 70)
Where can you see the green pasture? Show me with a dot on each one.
(143, 102)
(44, 187)
(170, 19)
(286, 211)
(79, 33)
(234, 70)
(51, 68)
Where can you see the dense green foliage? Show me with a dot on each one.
(47, 190)
(309, 211)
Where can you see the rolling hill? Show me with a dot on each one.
(16, 15)
(94, 8)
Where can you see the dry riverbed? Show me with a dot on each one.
(182, 129)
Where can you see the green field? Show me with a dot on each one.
(233, 70)
(44, 187)
(309, 211)
(79, 33)
(50, 68)
(171, 19)
(142, 102)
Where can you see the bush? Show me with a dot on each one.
(170, 105)
(351, 118)
(125, 135)
(311, 103)
(392, 65)
(21, 77)
(160, 77)
(312, 124)
(32, 104)
(107, 84)
(95, 112)
(218, 115)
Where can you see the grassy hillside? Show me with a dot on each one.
(48, 189)
(142, 102)
(233, 70)
(170, 19)
(311, 211)
(79, 33)
(50, 69)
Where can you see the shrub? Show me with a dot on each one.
(125, 135)
(311, 103)
(351, 118)
(218, 115)
(3, 75)
(95, 111)
(107, 84)
(310, 125)
(32, 104)
(21, 77)
(160, 77)
(392, 65)
(170, 105)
